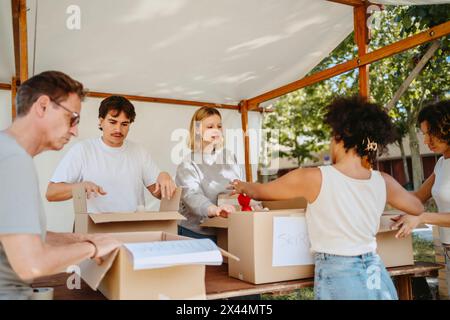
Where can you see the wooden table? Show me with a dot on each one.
(220, 286)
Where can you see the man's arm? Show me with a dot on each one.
(63, 191)
(31, 258)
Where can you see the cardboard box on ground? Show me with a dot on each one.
(265, 256)
(117, 279)
(112, 222)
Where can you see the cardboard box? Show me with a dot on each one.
(112, 222)
(250, 237)
(117, 280)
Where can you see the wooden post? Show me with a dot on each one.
(23, 39)
(404, 287)
(361, 40)
(13, 97)
(243, 109)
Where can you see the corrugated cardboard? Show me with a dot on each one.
(117, 280)
(112, 222)
(250, 238)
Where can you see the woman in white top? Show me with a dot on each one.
(434, 122)
(345, 203)
(205, 173)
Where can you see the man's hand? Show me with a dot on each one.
(165, 187)
(104, 245)
(92, 190)
(407, 223)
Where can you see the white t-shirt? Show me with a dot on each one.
(345, 217)
(441, 192)
(122, 172)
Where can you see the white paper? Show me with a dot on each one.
(160, 254)
(291, 246)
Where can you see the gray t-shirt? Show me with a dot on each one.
(21, 209)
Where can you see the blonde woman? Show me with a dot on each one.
(205, 173)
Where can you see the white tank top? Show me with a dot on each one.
(345, 217)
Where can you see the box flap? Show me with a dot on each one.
(92, 273)
(108, 217)
(216, 222)
(173, 204)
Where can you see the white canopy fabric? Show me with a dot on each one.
(219, 51)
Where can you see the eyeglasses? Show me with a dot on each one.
(74, 119)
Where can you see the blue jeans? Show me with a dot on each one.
(362, 277)
(182, 231)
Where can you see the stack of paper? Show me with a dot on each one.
(160, 254)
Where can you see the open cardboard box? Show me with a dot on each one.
(112, 222)
(117, 280)
(250, 237)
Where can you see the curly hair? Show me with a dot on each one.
(360, 124)
(438, 118)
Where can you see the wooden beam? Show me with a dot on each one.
(354, 3)
(94, 94)
(244, 118)
(361, 40)
(13, 97)
(416, 71)
(387, 51)
(5, 86)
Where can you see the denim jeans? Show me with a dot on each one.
(182, 231)
(362, 277)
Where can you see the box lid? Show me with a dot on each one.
(296, 203)
(92, 273)
(216, 222)
(108, 217)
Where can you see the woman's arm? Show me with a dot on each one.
(399, 198)
(424, 192)
(302, 182)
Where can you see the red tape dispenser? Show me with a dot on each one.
(244, 202)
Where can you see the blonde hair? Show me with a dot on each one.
(199, 115)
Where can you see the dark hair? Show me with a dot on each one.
(356, 121)
(118, 104)
(55, 84)
(438, 118)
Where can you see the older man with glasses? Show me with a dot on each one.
(48, 107)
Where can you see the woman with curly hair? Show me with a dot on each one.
(434, 121)
(345, 203)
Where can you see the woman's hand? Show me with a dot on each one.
(222, 211)
(407, 223)
(238, 187)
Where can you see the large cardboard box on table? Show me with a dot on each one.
(117, 279)
(252, 237)
(112, 222)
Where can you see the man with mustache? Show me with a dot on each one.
(113, 171)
